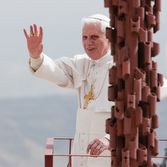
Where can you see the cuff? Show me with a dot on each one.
(36, 63)
(107, 136)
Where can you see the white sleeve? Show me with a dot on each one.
(62, 71)
(164, 89)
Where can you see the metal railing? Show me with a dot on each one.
(50, 153)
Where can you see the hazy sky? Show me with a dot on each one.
(61, 23)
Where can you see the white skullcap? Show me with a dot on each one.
(100, 17)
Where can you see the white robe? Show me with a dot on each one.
(80, 73)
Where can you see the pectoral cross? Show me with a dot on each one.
(88, 97)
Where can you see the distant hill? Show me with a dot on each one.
(25, 124)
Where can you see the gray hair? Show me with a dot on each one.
(97, 18)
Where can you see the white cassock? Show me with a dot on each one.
(82, 73)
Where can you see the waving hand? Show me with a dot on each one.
(34, 41)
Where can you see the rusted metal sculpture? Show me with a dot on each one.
(134, 82)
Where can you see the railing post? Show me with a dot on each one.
(70, 159)
(49, 152)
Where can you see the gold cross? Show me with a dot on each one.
(88, 97)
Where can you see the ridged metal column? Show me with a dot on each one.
(134, 82)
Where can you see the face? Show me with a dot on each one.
(94, 41)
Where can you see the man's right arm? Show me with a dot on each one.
(63, 72)
(53, 71)
(41, 65)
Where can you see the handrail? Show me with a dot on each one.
(81, 155)
(49, 151)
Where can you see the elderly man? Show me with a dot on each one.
(88, 75)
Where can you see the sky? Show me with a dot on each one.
(62, 37)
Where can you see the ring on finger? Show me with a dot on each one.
(31, 34)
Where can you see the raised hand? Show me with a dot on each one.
(34, 41)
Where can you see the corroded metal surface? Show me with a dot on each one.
(134, 82)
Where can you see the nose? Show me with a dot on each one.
(90, 41)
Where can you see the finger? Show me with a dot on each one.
(25, 33)
(88, 148)
(41, 48)
(31, 31)
(40, 34)
(100, 150)
(95, 149)
(35, 29)
(90, 145)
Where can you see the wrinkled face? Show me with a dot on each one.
(94, 41)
